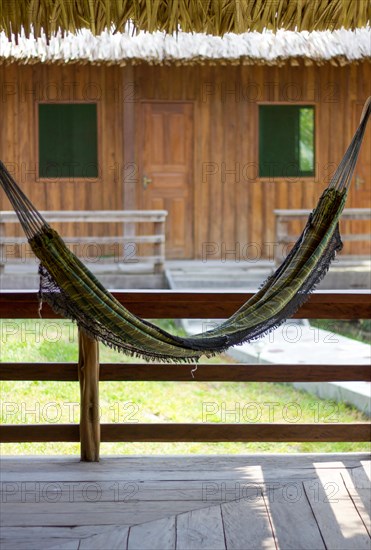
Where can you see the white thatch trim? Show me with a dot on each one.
(343, 46)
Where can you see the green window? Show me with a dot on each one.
(68, 140)
(286, 141)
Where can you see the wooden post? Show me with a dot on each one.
(159, 247)
(2, 247)
(88, 369)
(281, 233)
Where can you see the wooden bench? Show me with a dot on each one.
(123, 247)
(284, 239)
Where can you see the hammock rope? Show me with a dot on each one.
(73, 291)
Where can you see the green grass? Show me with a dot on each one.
(57, 402)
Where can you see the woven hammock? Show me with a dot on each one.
(73, 291)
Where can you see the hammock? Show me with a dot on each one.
(73, 291)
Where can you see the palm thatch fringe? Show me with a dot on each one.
(338, 47)
(216, 17)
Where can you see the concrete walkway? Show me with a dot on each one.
(296, 342)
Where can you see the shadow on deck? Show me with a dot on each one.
(187, 502)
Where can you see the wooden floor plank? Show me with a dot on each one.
(246, 525)
(154, 535)
(114, 465)
(149, 477)
(361, 475)
(20, 538)
(45, 544)
(363, 496)
(70, 545)
(108, 513)
(184, 486)
(294, 524)
(361, 499)
(200, 530)
(114, 539)
(212, 491)
(256, 467)
(335, 513)
(133, 491)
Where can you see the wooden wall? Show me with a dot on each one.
(231, 205)
(22, 88)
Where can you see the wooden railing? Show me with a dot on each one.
(170, 304)
(284, 239)
(122, 248)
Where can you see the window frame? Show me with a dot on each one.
(68, 179)
(289, 179)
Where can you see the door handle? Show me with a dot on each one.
(146, 181)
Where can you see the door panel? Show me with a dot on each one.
(166, 151)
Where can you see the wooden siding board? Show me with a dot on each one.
(242, 158)
(129, 114)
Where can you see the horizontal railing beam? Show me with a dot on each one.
(84, 239)
(205, 432)
(163, 304)
(348, 213)
(91, 216)
(160, 372)
(288, 239)
(108, 259)
(22, 433)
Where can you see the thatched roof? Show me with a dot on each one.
(337, 47)
(215, 17)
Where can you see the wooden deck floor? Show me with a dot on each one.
(195, 502)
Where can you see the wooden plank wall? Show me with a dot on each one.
(22, 88)
(232, 206)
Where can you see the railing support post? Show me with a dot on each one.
(159, 248)
(281, 234)
(88, 369)
(2, 247)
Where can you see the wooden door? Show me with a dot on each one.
(166, 153)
